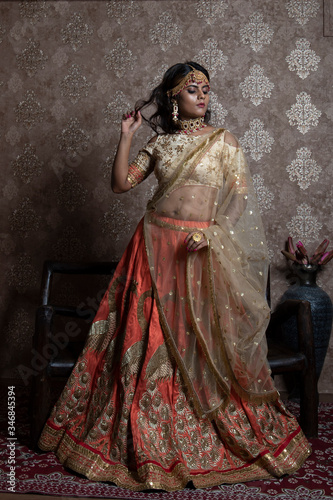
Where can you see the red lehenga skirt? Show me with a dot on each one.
(125, 417)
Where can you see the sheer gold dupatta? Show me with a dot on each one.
(211, 303)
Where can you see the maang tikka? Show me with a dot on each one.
(194, 76)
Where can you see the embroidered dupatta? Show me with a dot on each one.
(216, 330)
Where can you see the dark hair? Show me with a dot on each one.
(162, 118)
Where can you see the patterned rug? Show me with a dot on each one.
(43, 474)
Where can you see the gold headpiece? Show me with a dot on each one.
(194, 76)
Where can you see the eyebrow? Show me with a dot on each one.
(196, 85)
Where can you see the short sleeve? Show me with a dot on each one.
(142, 166)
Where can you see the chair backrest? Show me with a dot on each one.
(75, 268)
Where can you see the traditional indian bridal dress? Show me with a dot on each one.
(173, 383)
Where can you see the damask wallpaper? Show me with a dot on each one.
(69, 69)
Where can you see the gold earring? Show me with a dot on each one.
(175, 113)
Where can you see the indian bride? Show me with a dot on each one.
(173, 385)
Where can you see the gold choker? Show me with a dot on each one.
(190, 126)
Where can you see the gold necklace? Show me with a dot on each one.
(190, 126)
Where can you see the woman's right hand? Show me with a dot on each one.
(131, 122)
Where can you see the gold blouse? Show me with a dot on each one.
(160, 157)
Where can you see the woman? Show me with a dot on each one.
(173, 384)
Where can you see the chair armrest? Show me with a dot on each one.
(286, 310)
(301, 310)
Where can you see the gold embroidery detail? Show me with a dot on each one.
(99, 327)
(140, 313)
(159, 366)
(132, 358)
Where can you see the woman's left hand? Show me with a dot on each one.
(195, 241)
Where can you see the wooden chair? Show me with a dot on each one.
(59, 356)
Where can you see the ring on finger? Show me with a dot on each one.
(197, 237)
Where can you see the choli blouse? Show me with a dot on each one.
(160, 157)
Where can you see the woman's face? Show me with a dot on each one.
(193, 101)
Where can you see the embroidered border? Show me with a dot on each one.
(84, 460)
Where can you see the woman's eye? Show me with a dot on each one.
(191, 91)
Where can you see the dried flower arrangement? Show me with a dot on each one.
(300, 254)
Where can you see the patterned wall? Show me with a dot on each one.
(69, 71)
